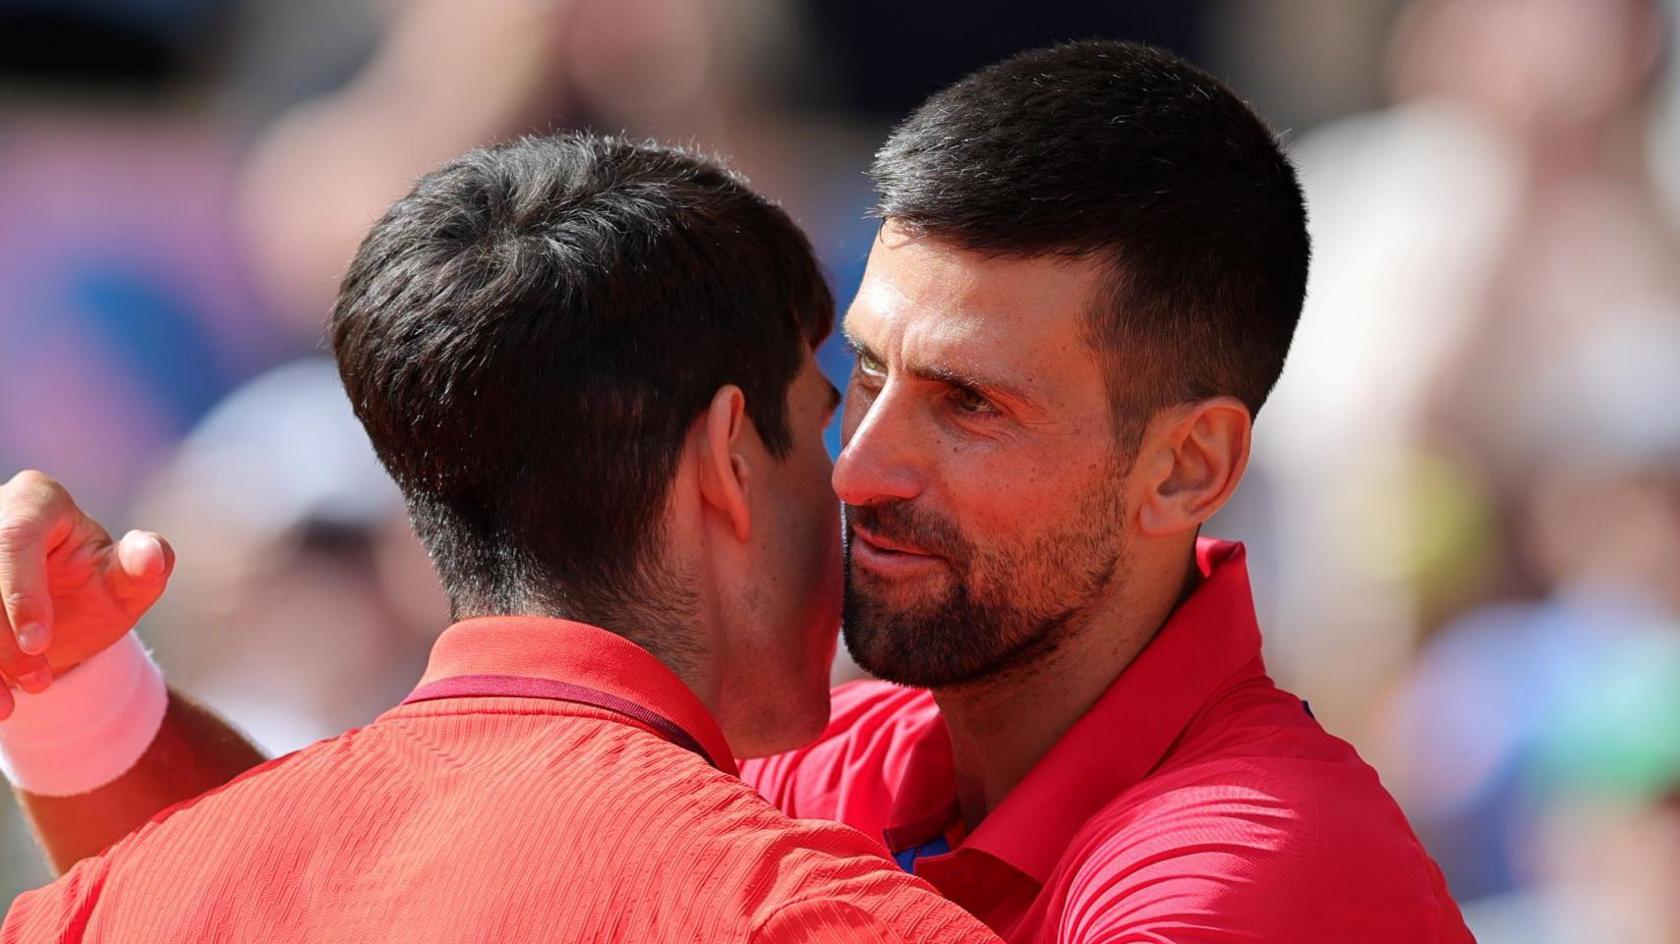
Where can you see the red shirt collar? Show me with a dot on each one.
(1210, 637)
(578, 654)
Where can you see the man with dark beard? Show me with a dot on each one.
(1090, 267)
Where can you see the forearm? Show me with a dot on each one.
(193, 751)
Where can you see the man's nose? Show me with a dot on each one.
(880, 459)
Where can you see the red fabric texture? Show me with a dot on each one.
(496, 819)
(1194, 802)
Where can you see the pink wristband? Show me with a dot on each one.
(89, 727)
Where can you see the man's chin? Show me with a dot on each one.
(916, 673)
(886, 653)
(942, 646)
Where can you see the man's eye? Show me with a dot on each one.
(973, 403)
(870, 367)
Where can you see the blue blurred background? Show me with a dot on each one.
(1464, 511)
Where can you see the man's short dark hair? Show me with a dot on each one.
(528, 336)
(1125, 153)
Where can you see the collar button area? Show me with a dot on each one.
(907, 858)
(562, 660)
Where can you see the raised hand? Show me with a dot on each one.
(68, 590)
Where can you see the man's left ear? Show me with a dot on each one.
(1190, 461)
(719, 437)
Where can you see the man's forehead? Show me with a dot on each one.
(918, 291)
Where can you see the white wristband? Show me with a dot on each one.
(89, 727)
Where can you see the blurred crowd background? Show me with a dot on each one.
(1463, 515)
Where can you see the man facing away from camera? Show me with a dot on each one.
(1089, 271)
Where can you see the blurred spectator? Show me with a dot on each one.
(1604, 774)
(124, 308)
(1469, 242)
(444, 79)
(1473, 450)
(1497, 685)
(303, 605)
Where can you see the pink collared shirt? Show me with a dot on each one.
(1194, 802)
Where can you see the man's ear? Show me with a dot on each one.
(1190, 461)
(719, 438)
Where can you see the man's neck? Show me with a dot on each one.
(1001, 727)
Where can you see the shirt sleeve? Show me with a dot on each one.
(1195, 898)
(1227, 864)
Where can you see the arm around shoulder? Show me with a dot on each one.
(107, 748)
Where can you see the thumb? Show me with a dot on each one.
(144, 561)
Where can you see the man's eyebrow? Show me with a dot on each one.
(857, 347)
(942, 373)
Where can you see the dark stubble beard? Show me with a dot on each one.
(1003, 608)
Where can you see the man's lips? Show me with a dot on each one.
(888, 544)
(887, 557)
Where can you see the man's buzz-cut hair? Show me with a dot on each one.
(1127, 154)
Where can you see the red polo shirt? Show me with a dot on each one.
(1194, 802)
(548, 781)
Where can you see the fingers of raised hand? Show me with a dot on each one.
(34, 511)
(143, 563)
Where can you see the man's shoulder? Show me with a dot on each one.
(139, 878)
(294, 833)
(504, 771)
(1284, 830)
